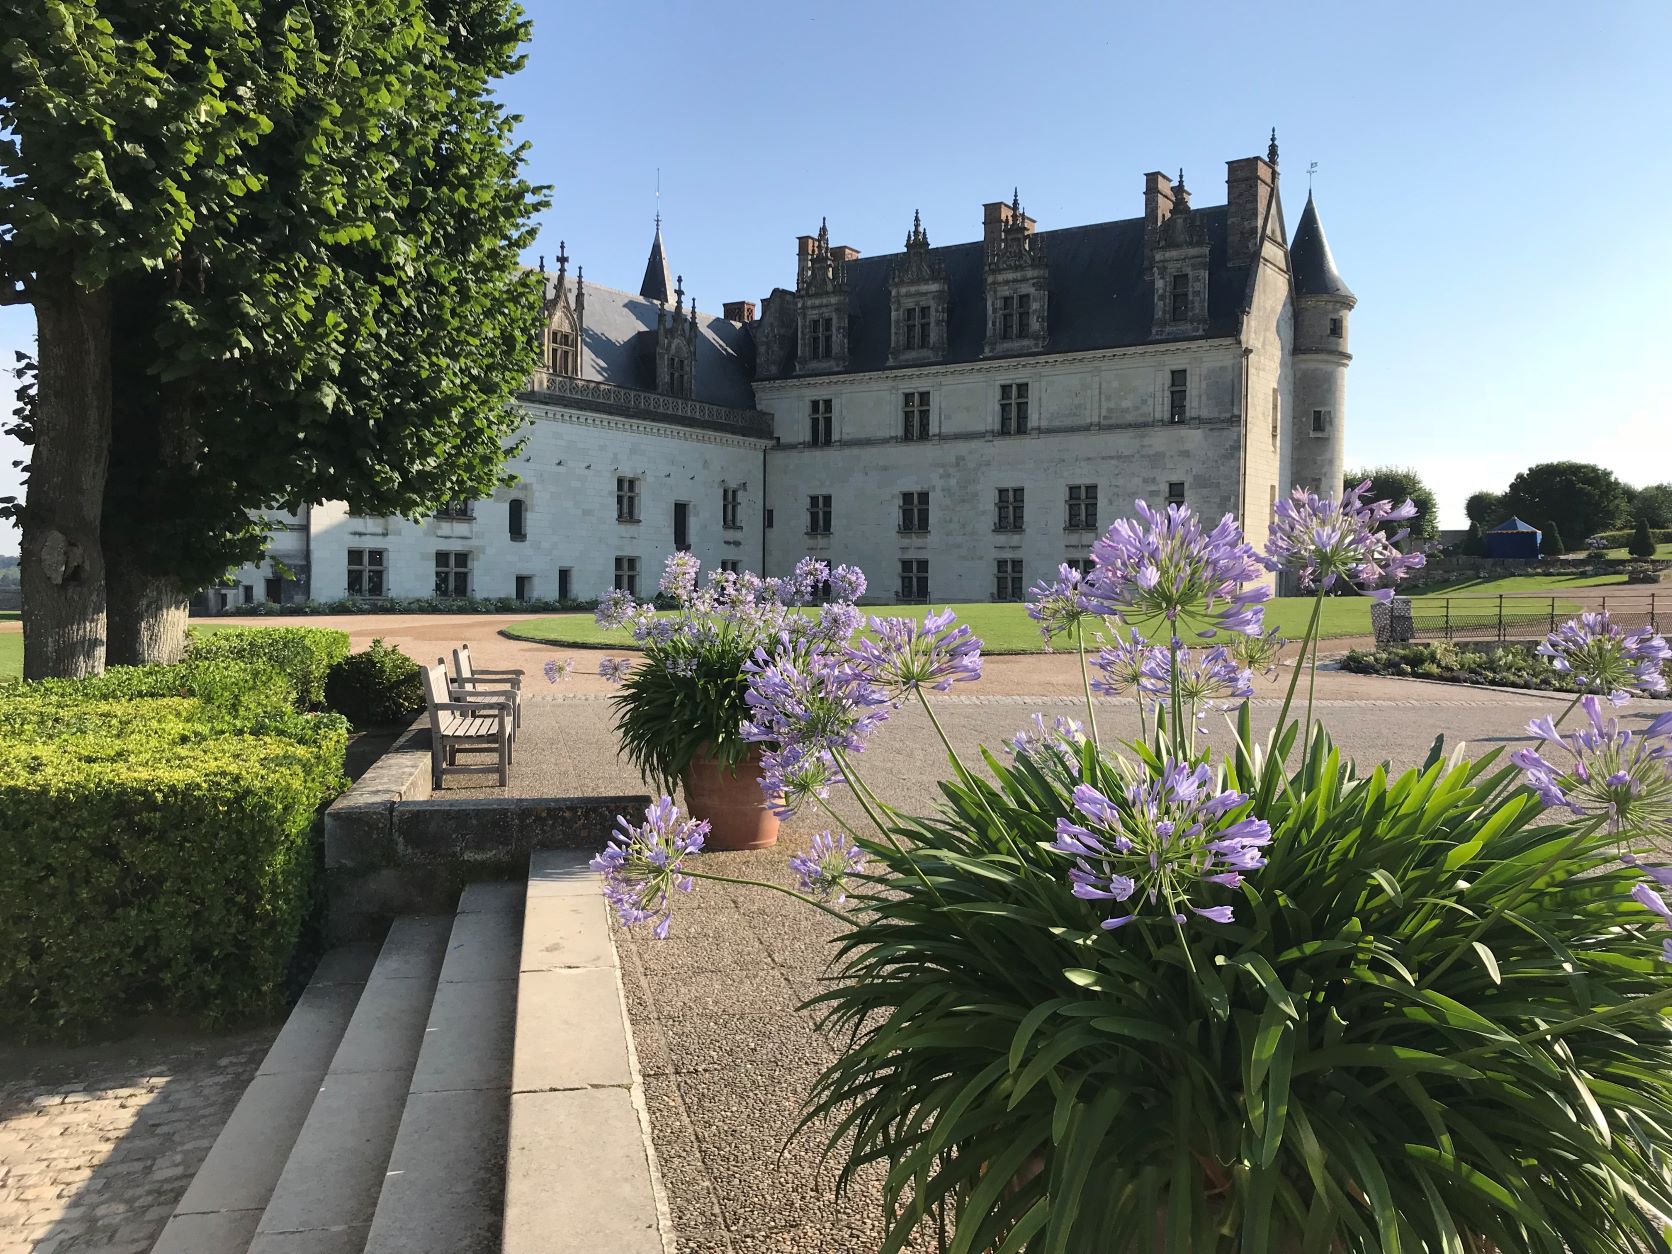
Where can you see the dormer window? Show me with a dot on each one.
(563, 355)
(1181, 297)
(916, 326)
(1014, 312)
(822, 337)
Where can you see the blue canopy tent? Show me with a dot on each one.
(1512, 538)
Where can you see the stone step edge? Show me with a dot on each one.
(569, 935)
(199, 1225)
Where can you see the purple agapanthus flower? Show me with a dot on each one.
(1259, 654)
(1170, 835)
(1326, 539)
(642, 865)
(902, 656)
(557, 671)
(847, 583)
(795, 775)
(679, 576)
(1165, 570)
(614, 607)
(1603, 657)
(1060, 606)
(614, 669)
(1650, 896)
(827, 866)
(804, 694)
(1120, 665)
(1062, 735)
(1204, 680)
(1623, 775)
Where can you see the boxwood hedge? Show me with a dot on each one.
(304, 655)
(155, 842)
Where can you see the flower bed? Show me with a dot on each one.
(1125, 995)
(155, 850)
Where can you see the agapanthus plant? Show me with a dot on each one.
(1603, 657)
(686, 697)
(1326, 540)
(644, 863)
(1145, 997)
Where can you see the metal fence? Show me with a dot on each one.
(1504, 617)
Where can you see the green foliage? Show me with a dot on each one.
(1642, 542)
(1505, 666)
(1653, 503)
(1578, 497)
(155, 850)
(1474, 543)
(662, 717)
(1485, 509)
(304, 655)
(1396, 483)
(375, 688)
(1622, 539)
(410, 605)
(1550, 541)
(1389, 1048)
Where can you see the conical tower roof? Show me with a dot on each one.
(658, 284)
(1310, 259)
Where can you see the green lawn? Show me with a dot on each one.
(1475, 585)
(1003, 628)
(11, 653)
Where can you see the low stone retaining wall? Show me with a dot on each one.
(391, 848)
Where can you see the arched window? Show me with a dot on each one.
(563, 350)
(519, 522)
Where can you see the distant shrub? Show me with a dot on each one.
(155, 850)
(1507, 666)
(1550, 543)
(304, 655)
(1642, 542)
(376, 687)
(413, 605)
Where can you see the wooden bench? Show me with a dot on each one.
(504, 685)
(464, 721)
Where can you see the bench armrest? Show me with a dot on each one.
(480, 680)
(498, 710)
(501, 672)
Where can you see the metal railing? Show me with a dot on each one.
(632, 401)
(1505, 617)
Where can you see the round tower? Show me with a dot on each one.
(1323, 305)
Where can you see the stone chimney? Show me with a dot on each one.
(998, 214)
(738, 311)
(1158, 202)
(841, 254)
(1248, 186)
(804, 245)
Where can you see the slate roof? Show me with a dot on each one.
(618, 345)
(1310, 260)
(1100, 297)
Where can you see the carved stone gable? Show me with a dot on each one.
(917, 302)
(1017, 281)
(1179, 267)
(676, 346)
(821, 297)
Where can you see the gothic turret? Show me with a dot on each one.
(676, 345)
(656, 285)
(1323, 302)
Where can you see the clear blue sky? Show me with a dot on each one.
(1495, 179)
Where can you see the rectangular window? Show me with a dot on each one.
(452, 573)
(1320, 421)
(915, 326)
(1175, 492)
(914, 579)
(1335, 327)
(1082, 507)
(565, 581)
(1181, 298)
(626, 499)
(822, 337)
(769, 518)
(1176, 391)
(1007, 317)
(525, 587)
(731, 565)
(457, 509)
(819, 422)
(627, 574)
(1081, 564)
(914, 416)
(1009, 583)
(1276, 410)
(818, 515)
(731, 509)
(1013, 409)
(1007, 514)
(249, 594)
(1024, 306)
(564, 357)
(914, 512)
(365, 572)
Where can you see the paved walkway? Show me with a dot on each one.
(97, 1143)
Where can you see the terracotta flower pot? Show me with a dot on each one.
(731, 802)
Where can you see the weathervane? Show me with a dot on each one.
(1310, 171)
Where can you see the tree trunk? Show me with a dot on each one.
(147, 612)
(63, 563)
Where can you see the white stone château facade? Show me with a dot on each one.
(956, 420)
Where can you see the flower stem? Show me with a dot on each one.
(1085, 680)
(777, 888)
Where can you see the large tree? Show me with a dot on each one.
(1579, 498)
(1396, 483)
(1653, 504)
(349, 326)
(1485, 509)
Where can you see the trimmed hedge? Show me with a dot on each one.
(376, 688)
(411, 605)
(304, 655)
(1619, 539)
(155, 848)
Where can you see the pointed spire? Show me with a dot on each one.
(1271, 148)
(824, 234)
(656, 285)
(1310, 260)
(917, 237)
(1181, 194)
(562, 262)
(1016, 200)
(679, 294)
(542, 263)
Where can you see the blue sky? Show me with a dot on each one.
(1494, 179)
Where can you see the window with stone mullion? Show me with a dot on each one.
(914, 423)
